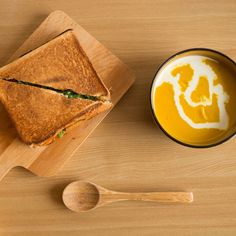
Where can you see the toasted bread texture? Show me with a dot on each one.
(39, 114)
(62, 64)
(32, 90)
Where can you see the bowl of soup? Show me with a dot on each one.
(193, 97)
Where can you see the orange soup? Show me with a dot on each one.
(194, 98)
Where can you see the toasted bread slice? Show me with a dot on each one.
(62, 64)
(40, 114)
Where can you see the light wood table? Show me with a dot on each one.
(127, 152)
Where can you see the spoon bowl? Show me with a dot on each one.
(81, 196)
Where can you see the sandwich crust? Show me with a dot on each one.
(89, 113)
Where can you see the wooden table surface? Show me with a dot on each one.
(127, 152)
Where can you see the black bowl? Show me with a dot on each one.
(150, 98)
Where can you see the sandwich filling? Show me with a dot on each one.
(67, 92)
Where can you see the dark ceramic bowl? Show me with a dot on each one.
(191, 51)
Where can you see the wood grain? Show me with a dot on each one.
(127, 152)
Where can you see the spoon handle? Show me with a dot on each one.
(181, 197)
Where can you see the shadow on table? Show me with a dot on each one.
(57, 190)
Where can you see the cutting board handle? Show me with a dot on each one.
(4, 170)
(17, 154)
(7, 162)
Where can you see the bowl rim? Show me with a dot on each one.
(152, 109)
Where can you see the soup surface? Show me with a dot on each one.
(194, 99)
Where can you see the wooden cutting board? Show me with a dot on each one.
(45, 161)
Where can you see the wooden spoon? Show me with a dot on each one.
(81, 196)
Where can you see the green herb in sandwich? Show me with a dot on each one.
(72, 94)
(61, 133)
(67, 93)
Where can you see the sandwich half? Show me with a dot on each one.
(51, 89)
